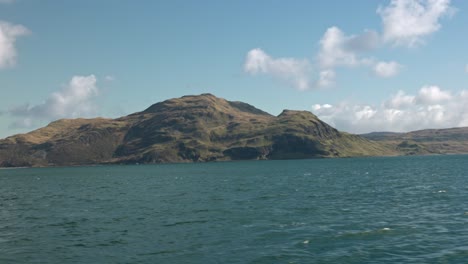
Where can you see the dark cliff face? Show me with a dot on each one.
(187, 129)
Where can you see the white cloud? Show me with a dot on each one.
(323, 107)
(326, 78)
(400, 101)
(338, 49)
(407, 22)
(73, 100)
(432, 95)
(431, 107)
(294, 71)
(8, 35)
(386, 69)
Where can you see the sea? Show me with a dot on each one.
(351, 210)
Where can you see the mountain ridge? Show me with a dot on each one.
(425, 141)
(192, 128)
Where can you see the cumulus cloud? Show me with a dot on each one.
(8, 35)
(407, 22)
(432, 95)
(294, 71)
(74, 100)
(338, 49)
(431, 107)
(386, 69)
(400, 101)
(326, 78)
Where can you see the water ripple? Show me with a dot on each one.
(374, 210)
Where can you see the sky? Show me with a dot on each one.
(361, 66)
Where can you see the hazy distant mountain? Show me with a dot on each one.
(187, 129)
(428, 141)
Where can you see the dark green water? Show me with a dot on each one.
(370, 210)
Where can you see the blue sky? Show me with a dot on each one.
(362, 66)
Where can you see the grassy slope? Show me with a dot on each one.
(64, 142)
(429, 141)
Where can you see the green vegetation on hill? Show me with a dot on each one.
(423, 142)
(187, 129)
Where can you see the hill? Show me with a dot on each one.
(187, 129)
(428, 141)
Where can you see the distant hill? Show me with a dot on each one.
(428, 141)
(187, 129)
